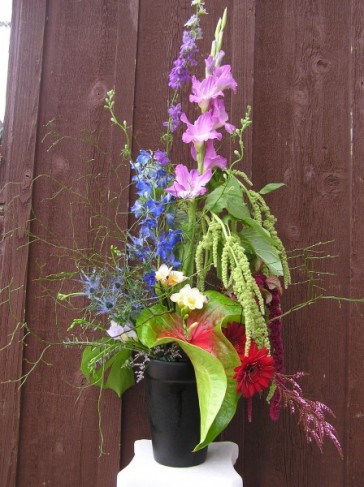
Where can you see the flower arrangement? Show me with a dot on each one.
(199, 275)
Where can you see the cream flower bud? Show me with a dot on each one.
(162, 273)
(190, 298)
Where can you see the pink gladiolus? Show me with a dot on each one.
(220, 116)
(201, 131)
(189, 184)
(211, 64)
(211, 159)
(224, 77)
(205, 90)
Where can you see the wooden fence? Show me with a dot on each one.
(299, 63)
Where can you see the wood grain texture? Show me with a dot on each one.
(302, 137)
(16, 176)
(300, 65)
(355, 352)
(241, 22)
(90, 48)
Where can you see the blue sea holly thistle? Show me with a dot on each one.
(196, 222)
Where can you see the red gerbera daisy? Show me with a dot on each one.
(235, 333)
(255, 372)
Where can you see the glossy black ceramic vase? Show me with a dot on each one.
(174, 414)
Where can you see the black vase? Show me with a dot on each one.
(174, 414)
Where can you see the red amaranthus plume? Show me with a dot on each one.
(255, 372)
(235, 333)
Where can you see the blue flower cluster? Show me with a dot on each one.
(113, 292)
(153, 212)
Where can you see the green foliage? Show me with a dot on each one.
(113, 373)
(271, 187)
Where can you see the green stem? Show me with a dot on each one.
(188, 266)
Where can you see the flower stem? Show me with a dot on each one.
(188, 266)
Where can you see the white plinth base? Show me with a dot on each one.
(216, 471)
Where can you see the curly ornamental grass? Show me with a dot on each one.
(193, 227)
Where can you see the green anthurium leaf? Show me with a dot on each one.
(229, 359)
(218, 310)
(111, 374)
(216, 388)
(152, 321)
(271, 187)
(263, 246)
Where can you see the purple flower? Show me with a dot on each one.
(220, 116)
(201, 131)
(189, 184)
(174, 111)
(187, 57)
(161, 157)
(211, 159)
(179, 74)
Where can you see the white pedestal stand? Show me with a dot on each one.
(216, 471)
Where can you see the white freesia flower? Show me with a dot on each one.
(189, 297)
(162, 273)
(175, 277)
(165, 275)
(122, 333)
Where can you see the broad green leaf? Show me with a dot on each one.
(229, 359)
(216, 200)
(111, 374)
(263, 247)
(152, 321)
(228, 196)
(271, 187)
(237, 209)
(216, 388)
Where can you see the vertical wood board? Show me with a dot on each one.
(16, 174)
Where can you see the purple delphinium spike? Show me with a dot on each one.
(174, 112)
(189, 184)
(161, 157)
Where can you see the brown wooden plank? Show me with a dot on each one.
(355, 352)
(89, 50)
(241, 25)
(26, 53)
(301, 137)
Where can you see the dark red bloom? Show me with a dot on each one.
(255, 372)
(235, 333)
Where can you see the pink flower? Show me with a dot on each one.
(225, 80)
(201, 131)
(220, 116)
(211, 64)
(211, 159)
(204, 91)
(213, 86)
(189, 184)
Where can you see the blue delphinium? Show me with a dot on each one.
(157, 239)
